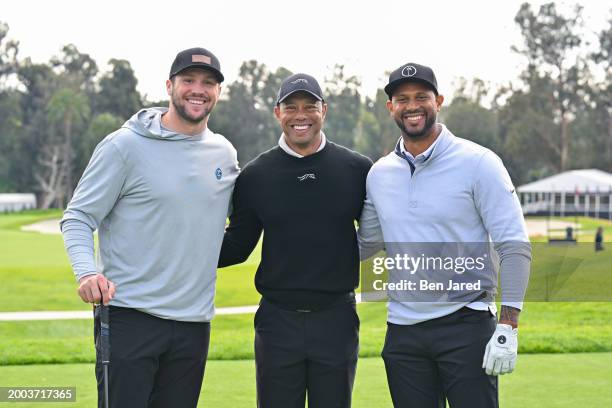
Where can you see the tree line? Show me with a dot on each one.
(556, 116)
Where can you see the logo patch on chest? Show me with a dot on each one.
(218, 173)
(307, 176)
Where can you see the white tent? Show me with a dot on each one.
(576, 192)
(17, 202)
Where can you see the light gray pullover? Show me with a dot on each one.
(159, 201)
(460, 193)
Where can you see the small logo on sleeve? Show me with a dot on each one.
(218, 173)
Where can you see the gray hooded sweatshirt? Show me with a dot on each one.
(159, 201)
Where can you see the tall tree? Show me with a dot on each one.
(38, 82)
(78, 69)
(100, 126)
(66, 109)
(118, 94)
(344, 107)
(602, 103)
(526, 127)
(10, 109)
(377, 133)
(367, 138)
(245, 113)
(62, 110)
(551, 44)
(8, 52)
(466, 116)
(11, 128)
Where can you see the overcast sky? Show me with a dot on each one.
(456, 38)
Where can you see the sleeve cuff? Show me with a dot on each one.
(516, 305)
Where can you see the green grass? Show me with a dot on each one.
(14, 221)
(570, 273)
(550, 381)
(35, 273)
(544, 328)
(71, 341)
(573, 272)
(586, 232)
(558, 381)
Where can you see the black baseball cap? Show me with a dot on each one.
(196, 58)
(296, 83)
(411, 72)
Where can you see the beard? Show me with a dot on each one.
(182, 112)
(430, 121)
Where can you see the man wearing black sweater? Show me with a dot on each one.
(306, 194)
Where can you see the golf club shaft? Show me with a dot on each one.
(105, 347)
(106, 403)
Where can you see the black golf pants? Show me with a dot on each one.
(299, 354)
(154, 362)
(441, 358)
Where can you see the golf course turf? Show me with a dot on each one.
(565, 347)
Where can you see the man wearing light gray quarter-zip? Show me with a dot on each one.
(438, 194)
(157, 190)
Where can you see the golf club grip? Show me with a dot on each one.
(104, 335)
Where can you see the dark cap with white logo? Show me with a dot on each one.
(196, 58)
(411, 72)
(296, 83)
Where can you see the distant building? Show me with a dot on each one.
(17, 202)
(576, 192)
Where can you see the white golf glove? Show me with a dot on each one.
(500, 354)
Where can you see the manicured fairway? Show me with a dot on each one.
(35, 275)
(545, 328)
(540, 381)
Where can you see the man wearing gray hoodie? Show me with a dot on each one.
(157, 190)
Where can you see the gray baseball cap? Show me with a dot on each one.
(299, 82)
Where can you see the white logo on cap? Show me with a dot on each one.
(300, 80)
(409, 71)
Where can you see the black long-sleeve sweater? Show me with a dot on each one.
(307, 208)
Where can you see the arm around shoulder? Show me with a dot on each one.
(244, 230)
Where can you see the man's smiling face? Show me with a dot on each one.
(301, 117)
(194, 93)
(414, 107)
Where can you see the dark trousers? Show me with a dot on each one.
(441, 358)
(153, 362)
(299, 353)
